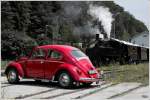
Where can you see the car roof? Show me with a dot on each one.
(63, 48)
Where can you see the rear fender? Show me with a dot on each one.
(70, 69)
(17, 66)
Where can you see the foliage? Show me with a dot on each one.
(12, 45)
(125, 24)
(38, 23)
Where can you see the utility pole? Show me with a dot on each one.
(114, 65)
(46, 32)
(114, 29)
(46, 29)
(114, 16)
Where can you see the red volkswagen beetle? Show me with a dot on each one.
(64, 64)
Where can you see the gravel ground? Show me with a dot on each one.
(29, 89)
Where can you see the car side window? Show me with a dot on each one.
(39, 53)
(54, 54)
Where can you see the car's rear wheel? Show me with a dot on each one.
(12, 76)
(64, 79)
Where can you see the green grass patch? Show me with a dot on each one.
(127, 73)
(4, 64)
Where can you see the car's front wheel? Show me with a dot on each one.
(64, 79)
(12, 76)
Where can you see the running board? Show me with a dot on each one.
(43, 80)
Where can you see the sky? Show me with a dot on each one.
(140, 9)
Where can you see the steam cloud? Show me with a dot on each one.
(103, 15)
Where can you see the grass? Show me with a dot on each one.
(127, 73)
(4, 64)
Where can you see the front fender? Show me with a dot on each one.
(17, 66)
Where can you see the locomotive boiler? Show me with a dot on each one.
(112, 50)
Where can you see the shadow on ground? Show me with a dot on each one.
(48, 85)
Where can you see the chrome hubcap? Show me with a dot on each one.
(64, 79)
(11, 76)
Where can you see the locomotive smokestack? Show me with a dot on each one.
(97, 36)
(101, 28)
(104, 17)
(105, 36)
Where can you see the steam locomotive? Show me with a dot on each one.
(113, 50)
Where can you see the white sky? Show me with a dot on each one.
(140, 9)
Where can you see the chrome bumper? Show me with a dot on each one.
(90, 79)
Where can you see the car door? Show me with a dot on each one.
(53, 61)
(35, 64)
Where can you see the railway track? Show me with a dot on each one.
(32, 90)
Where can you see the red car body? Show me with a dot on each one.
(45, 62)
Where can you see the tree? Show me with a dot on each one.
(6, 16)
(26, 22)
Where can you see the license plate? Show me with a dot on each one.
(92, 72)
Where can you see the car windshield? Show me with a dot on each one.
(78, 54)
